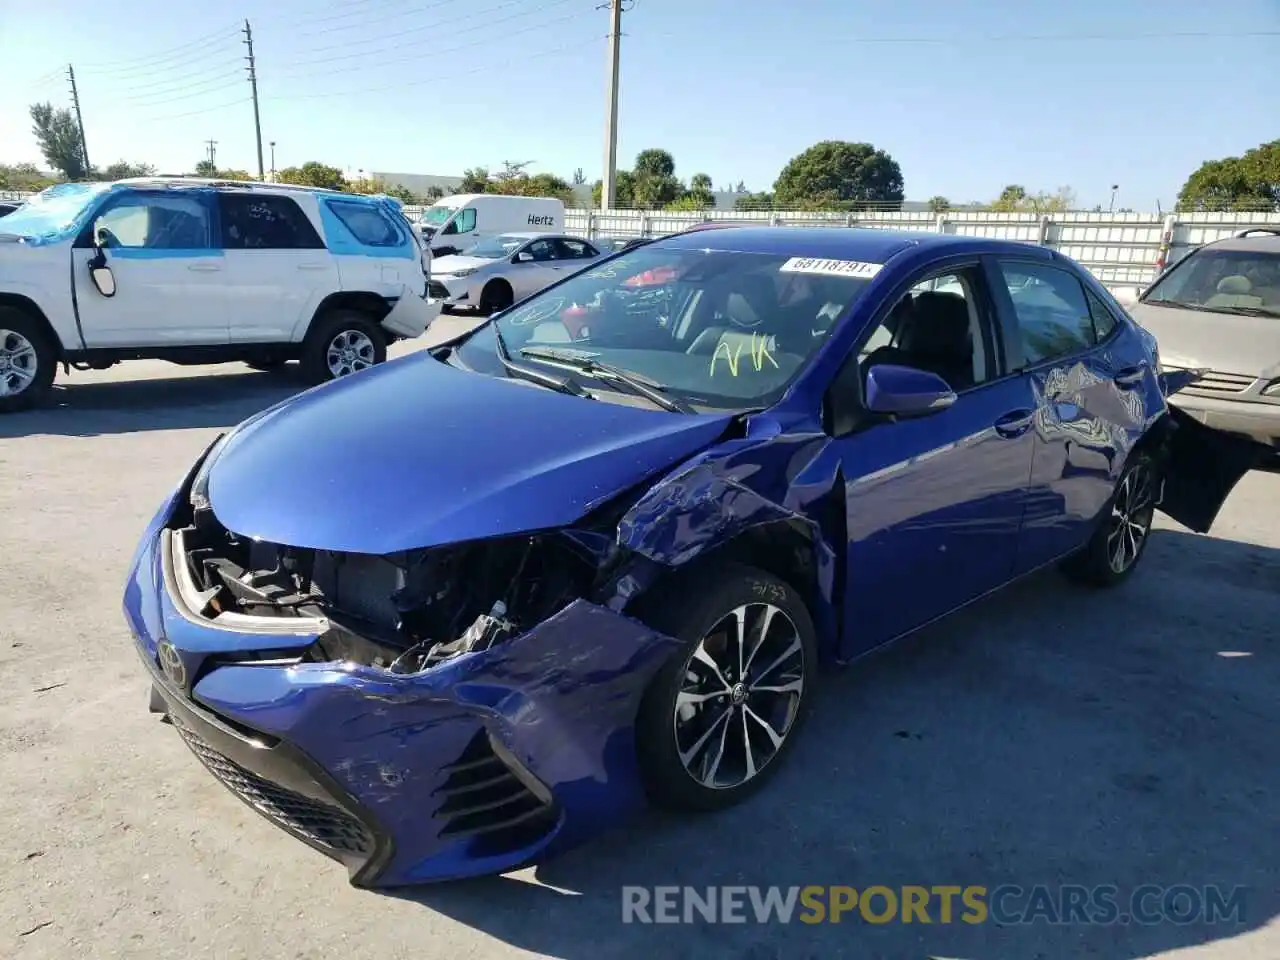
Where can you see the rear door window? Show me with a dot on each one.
(256, 222)
(1053, 314)
(368, 224)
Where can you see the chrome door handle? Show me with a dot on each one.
(204, 267)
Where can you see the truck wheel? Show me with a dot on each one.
(340, 343)
(28, 361)
(494, 297)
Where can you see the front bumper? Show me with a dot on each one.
(476, 766)
(1258, 421)
(455, 293)
(411, 315)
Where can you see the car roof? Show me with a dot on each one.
(1262, 239)
(535, 234)
(839, 243)
(254, 185)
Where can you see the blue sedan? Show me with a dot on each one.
(468, 608)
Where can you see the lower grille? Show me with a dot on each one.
(486, 801)
(1215, 381)
(437, 291)
(325, 826)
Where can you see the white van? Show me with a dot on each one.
(454, 223)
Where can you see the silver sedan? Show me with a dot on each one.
(500, 270)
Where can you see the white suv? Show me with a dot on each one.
(203, 271)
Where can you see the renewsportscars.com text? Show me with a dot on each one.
(1006, 905)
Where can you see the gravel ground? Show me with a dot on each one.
(1049, 735)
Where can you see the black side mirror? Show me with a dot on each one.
(103, 279)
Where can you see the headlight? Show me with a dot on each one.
(468, 271)
(200, 482)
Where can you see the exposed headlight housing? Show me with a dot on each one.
(464, 272)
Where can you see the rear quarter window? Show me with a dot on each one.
(369, 225)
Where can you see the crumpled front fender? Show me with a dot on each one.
(561, 699)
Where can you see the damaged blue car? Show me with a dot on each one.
(467, 608)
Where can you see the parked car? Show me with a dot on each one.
(1218, 309)
(205, 271)
(561, 581)
(452, 224)
(495, 273)
(618, 244)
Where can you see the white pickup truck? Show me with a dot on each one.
(203, 271)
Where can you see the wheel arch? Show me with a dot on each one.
(27, 306)
(365, 301)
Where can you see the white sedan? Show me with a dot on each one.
(498, 271)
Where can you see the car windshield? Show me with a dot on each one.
(494, 248)
(713, 329)
(1222, 281)
(53, 211)
(437, 214)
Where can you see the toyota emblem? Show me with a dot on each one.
(172, 664)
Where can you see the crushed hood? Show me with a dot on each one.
(415, 453)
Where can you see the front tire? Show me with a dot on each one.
(28, 361)
(341, 343)
(1113, 552)
(495, 296)
(720, 715)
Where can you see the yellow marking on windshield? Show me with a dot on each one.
(729, 354)
(759, 353)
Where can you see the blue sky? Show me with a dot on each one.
(966, 96)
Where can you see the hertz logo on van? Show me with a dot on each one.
(537, 221)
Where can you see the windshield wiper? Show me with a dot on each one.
(1202, 308)
(558, 384)
(649, 389)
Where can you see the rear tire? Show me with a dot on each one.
(28, 361)
(340, 343)
(1113, 552)
(709, 733)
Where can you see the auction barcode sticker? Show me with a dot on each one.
(834, 268)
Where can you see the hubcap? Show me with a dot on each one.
(1131, 516)
(349, 352)
(18, 363)
(741, 694)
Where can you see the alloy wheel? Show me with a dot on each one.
(740, 696)
(18, 363)
(1131, 516)
(349, 352)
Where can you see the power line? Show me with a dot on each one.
(149, 62)
(185, 85)
(418, 8)
(400, 46)
(192, 113)
(424, 28)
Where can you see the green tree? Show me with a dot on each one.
(123, 170)
(474, 180)
(58, 135)
(433, 193)
(754, 201)
(314, 174)
(206, 169)
(24, 177)
(654, 183)
(579, 178)
(1015, 199)
(537, 185)
(624, 185)
(939, 204)
(1247, 182)
(838, 174)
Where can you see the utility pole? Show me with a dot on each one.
(273, 161)
(608, 190)
(253, 83)
(213, 156)
(75, 99)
